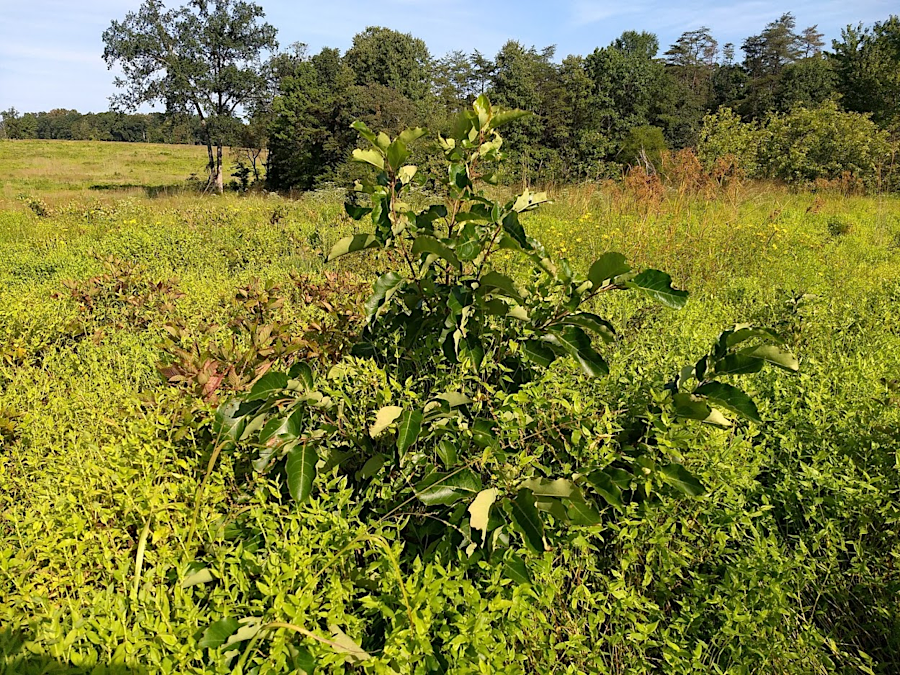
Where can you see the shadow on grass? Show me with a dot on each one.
(15, 659)
(152, 190)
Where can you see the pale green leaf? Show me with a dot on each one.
(480, 510)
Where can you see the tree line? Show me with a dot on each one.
(71, 125)
(213, 62)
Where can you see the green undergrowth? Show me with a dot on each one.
(787, 564)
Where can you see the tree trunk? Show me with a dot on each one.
(220, 182)
(211, 166)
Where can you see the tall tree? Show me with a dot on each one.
(206, 57)
(310, 134)
(629, 83)
(811, 41)
(867, 64)
(690, 64)
(391, 59)
(456, 81)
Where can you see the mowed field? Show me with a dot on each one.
(57, 169)
(789, 563)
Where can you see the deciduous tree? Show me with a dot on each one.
(206, 57)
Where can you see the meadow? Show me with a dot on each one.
(788, 563)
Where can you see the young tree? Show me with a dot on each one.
(206, 57)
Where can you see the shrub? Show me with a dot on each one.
(805, 145)
(439, 420)
(723, 135)
(643, 146)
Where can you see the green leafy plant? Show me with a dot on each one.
(430, 422)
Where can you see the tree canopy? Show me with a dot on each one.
(205, 57)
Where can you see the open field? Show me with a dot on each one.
(57, 169)
(788, 564)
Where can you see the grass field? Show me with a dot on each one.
(788, 564)
(57, 169)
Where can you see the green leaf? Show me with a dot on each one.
(729, 397)
(445, 489)
(371, 156)
(606, 487)
(514, 568)
(529, 200)
(356, 212)
(446, 450)
(384, 418)
(371, 467)
(774, 355)
(454, 398)
(249, 627)
(426, 244)
(484, 434)
(382, 141)
(581, 512)
(738, 364)
(357, 242)
(608, 266)
(301, 371)
(504, 116)
(527, 521)
(425, 219)
(385, 286)
(406, 173)
(545, 487)
(397, 154)
(364, 131)
(468, 245)
(218, 632)
(692, 407)
(682, 479)
(538, 353)
(408, 429)
(410, 135)
(344, 644)
(743, 332)
(301, 470)
(501, 282)
(516, 232)
(480, 511)
(482, 108)
(578, 344)
(267, 385)
(304, 660)
(658, 285)
(198, 578)
(230, 421)
(592, 322)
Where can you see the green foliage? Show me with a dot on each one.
(724, 135)
(802, 145)
(867, 64)
(203, 58)
(824, 142)
(786, 563)
(429, 419)
(643, 146)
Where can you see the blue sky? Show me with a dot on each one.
(50, 50)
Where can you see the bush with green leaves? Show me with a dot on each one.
(803, 145)
(433, 420)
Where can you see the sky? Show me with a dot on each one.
(51, 50)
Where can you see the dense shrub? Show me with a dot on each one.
(803, 145)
